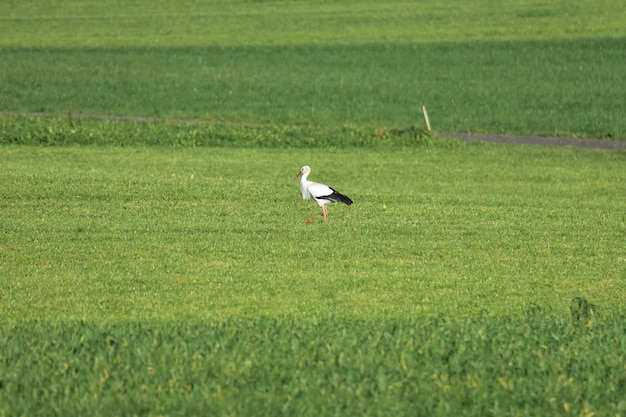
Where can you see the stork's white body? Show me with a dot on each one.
(321, 193)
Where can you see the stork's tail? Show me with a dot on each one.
(340, 197)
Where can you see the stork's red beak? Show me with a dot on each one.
(297, 176)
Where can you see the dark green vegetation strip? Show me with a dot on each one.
(560, 87)
(68, 130)
(535, 365)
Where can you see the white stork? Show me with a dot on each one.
(321, 193)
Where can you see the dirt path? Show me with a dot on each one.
(611, 145)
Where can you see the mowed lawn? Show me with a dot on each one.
(107, 233)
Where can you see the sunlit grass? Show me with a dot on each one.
(166, 23)
(164, 233)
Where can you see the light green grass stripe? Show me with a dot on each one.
(173, 234)
(167, 23)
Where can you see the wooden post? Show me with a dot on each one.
(426, 118)
(69, 116)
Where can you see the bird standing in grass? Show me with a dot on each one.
(321, 193)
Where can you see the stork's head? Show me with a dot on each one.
(305, 170)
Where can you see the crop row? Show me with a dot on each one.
(60, 131)
(534, 365)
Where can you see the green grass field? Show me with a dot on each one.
(163, 268)
(164, 23)
(162, 233)
(177, 280)
(515, 67)
(263, 367)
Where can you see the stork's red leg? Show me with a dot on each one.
(324, 213)
(310, 219)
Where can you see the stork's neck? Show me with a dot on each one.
(304, 185)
